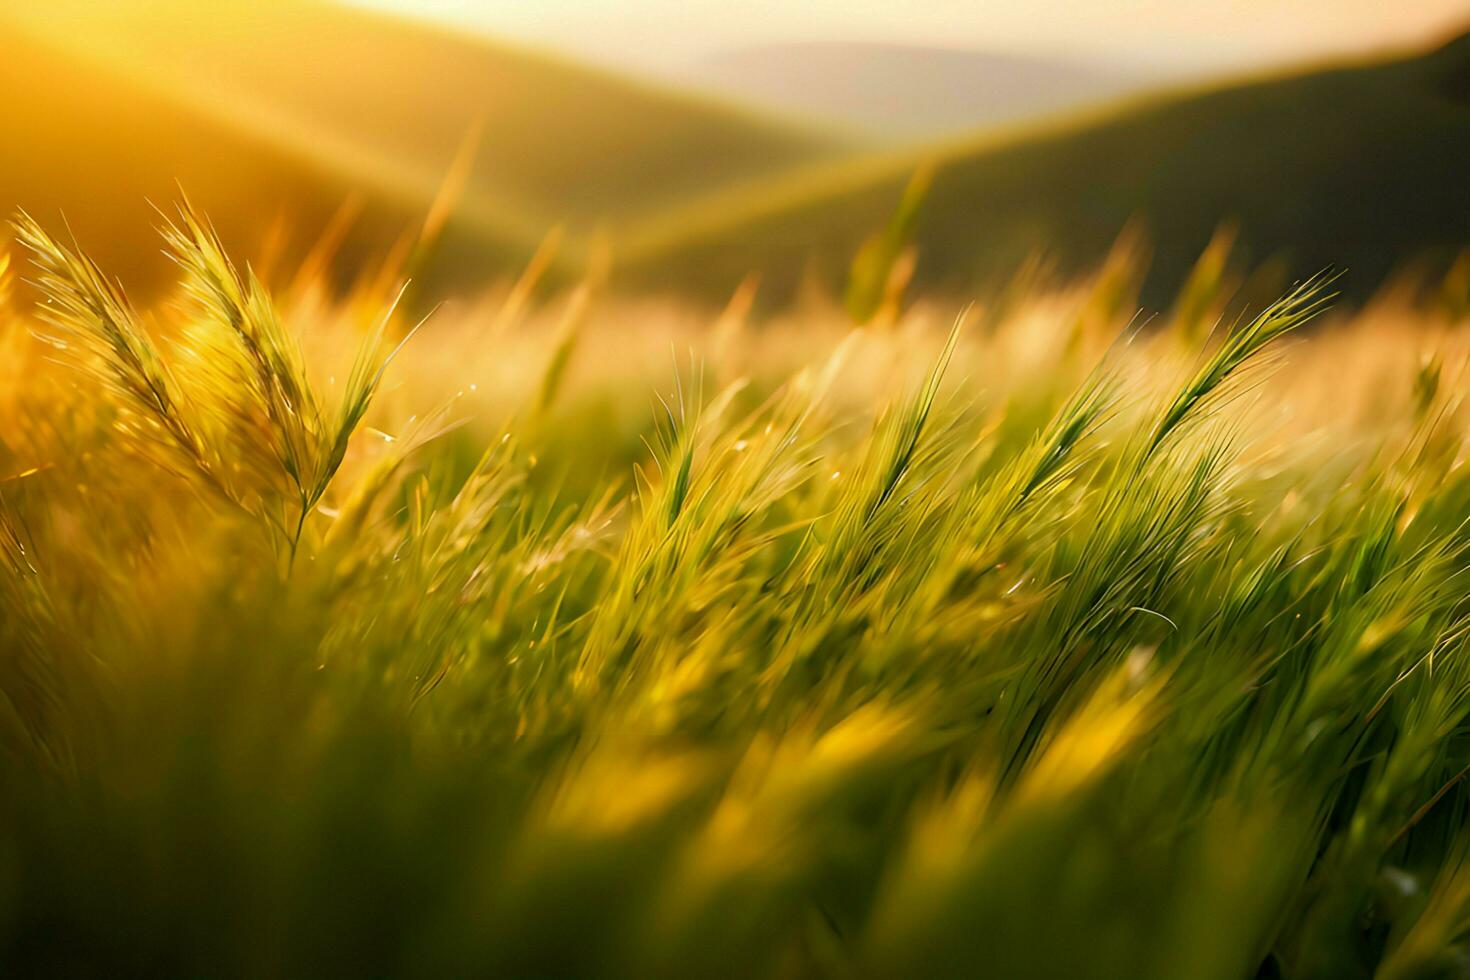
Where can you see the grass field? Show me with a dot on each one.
(594, 638)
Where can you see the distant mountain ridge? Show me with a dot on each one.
(910, 91)
(277, 112)
(1359, 166)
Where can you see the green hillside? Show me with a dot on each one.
(560, 142)
(290, 107)
(99, 147)
(1356, 166)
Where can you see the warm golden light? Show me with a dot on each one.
(771, 489)
(665, 33)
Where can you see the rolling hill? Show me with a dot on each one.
(898, 91)
(291, 106)
(1358, 166)
(101, 148)
(274, 113)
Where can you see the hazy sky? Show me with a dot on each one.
(667, 33)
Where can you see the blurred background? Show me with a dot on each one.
(684, 147)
